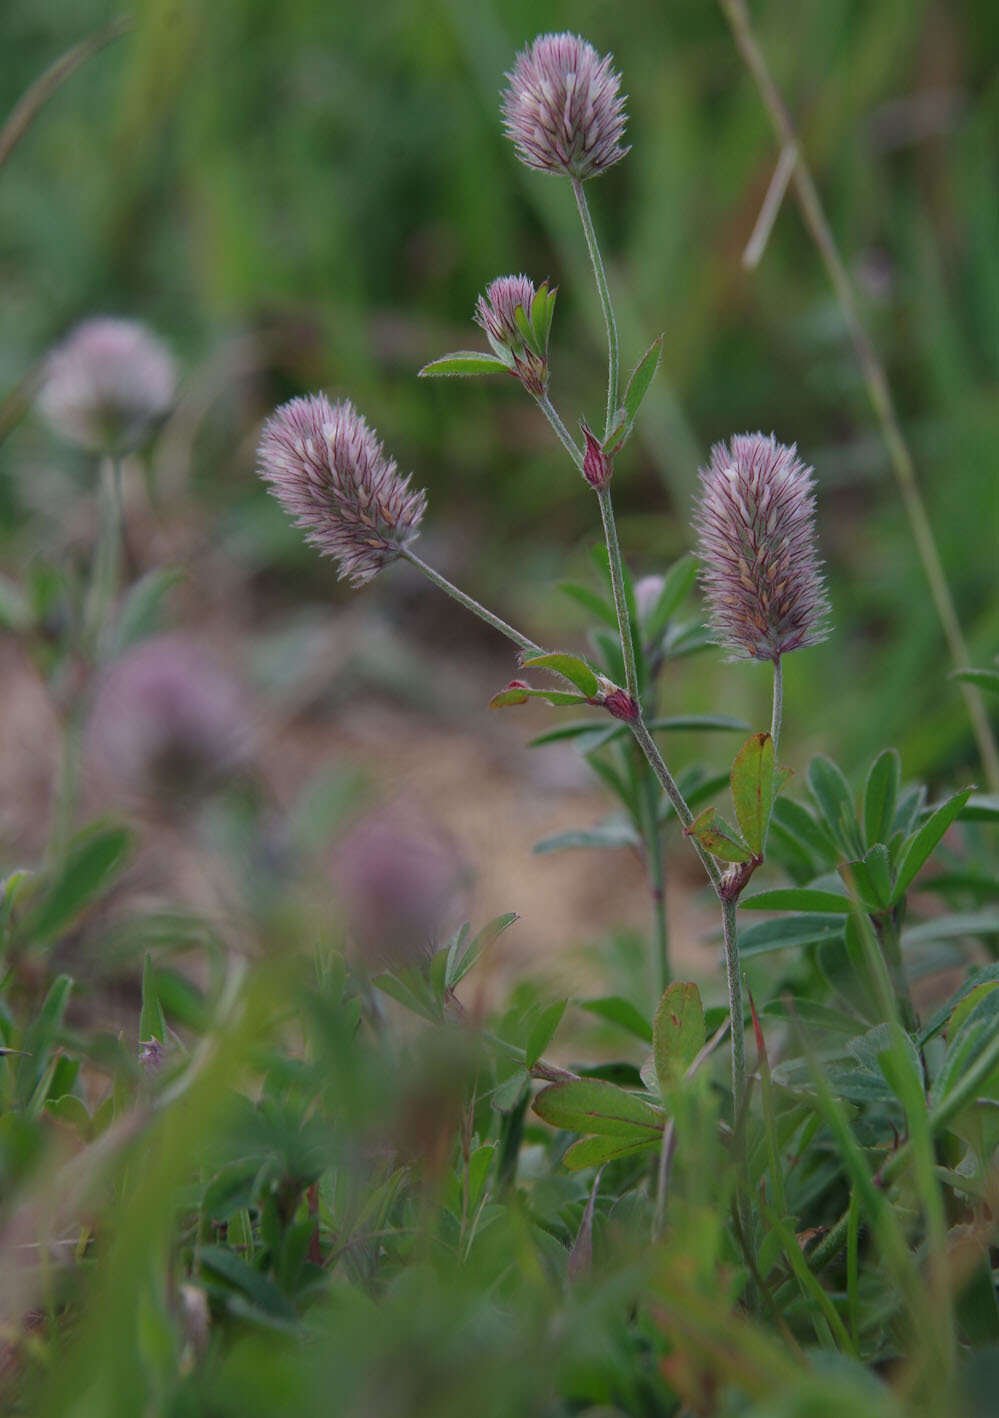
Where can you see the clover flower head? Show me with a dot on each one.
(563, 109)
(168, 723)
(107, 384)
(760, 569)
(522, 346)
(327, 468)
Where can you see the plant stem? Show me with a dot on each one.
(470, 604)
(655, 870)
(600, 275)
(617, 586)
(777, 716)
(875, 379)
(657, 763)
(107, 558)
(733, 973)
(564, 436)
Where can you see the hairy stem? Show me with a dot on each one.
(600, 275)
(733, 972)
(470, 604)
(669, 786)
(106, 567)
(875, 379)
(564, 436)
(617, 586)
(777, 716)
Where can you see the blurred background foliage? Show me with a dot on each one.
(312, 195)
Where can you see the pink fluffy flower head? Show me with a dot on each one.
(563, 109)
(329, 471)
(168, 723)
(760, 569)
(107, 384)
(496, 314)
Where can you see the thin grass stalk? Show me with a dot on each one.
(875, 378)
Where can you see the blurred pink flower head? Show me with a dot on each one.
(760, 569)
(496, 314)
(400, 882)
(107, 384)
(329, 471)
(563, 109)
(168, 723)
(648, 589)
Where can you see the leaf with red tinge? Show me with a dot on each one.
(589, 1105)
(677, 1032)
(716, 837)
(753, 789)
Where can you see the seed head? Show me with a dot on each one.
(496, 313)
(760, 570)
(168, 724)
(330, 473)
(107, 384)
(563, 110)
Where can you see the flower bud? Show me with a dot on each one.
(330, 473)
(597, 466)
(760, 569)
(563, 110)
(107, 384)
(517, 342)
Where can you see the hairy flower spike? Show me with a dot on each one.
(107, 384)
(760, 570)
(330, 473)
(563, 110)
(517, 343)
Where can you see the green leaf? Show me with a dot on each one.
(790, 933)
(641, 377)
(800, 825)
(981, 807)
(834, 801)
(412, 992)
(696, 723)
(677, 1032)
(507, 1094)
(526, 330)
(516, 695)
(881, 795)
(462, 960)
(595, 1151)
(618, 833)
(478, 1170)
(140, 615)
(953, 927)
(797, 898)
(542, 1033)
(716, 837)
(920, 847)
(591, 601)
(542, 312)
(70, 1110)
(677, 585)
(224, 1265)
(621, 1012)
(91, 861)
(570, 667)
(753, 789)
(588, 1105)
(463, 362)
(984, 679)
(152, 1025)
